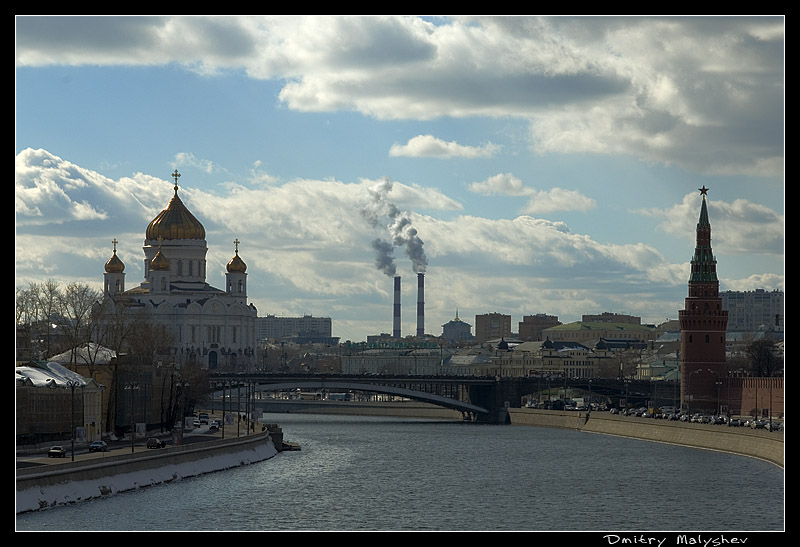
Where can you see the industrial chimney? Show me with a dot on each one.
(420, 305)
(396, 332)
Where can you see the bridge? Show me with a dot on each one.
(481, 399)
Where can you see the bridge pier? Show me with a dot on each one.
(496, 399)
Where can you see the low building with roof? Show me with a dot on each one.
(53, 402)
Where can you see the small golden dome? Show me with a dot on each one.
(236, 265)
(159, 262)
(175, 222)
(114, 264)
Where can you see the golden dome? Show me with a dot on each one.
(159, 262)
(114, 264)
(236, 265)
(175, 222)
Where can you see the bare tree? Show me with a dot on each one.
(38, 306)
(764, 358)
(76, 304)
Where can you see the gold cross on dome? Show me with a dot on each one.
(114, 241)
(236, 242)
(176, 176)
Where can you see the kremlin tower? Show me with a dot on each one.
(703, 326)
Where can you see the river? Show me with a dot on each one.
(373, 473)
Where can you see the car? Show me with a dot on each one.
(98, 446)
(57, 452)
(213, 427)
(203, 418)
(196, 422)
(152, 442)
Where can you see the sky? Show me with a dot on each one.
(526, 164)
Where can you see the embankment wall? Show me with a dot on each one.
(756, 443)
(148, 467)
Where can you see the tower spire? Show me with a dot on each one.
(704, 266)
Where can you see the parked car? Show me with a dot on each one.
(152, 442)
(196, 422)
(213, 427)
(98, 446)
(57, 452)
(203, 418)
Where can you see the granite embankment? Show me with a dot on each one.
(756, 443)
(104, 474)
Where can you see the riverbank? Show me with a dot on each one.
(754, 443)
(72, 482)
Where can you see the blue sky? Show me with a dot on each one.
(547, 165)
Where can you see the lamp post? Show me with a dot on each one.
(72, 384)
(688, 380)
(132, 386)
(181, 385)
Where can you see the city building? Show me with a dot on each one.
(208, 326)
(532, 326)
(53, 401)
(608, 317)
(457, 331)
(416, 358)
(588, 333)
(703, 326)
(300, 330)
(751, 311)
(491, 326)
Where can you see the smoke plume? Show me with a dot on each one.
(384, 259)
(380, 212)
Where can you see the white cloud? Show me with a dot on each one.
(428, 146)
(539, 201)
(738, 227)
(308, 241)
(698, 92)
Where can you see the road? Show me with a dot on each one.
(123, 446)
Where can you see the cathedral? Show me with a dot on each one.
(211, 327)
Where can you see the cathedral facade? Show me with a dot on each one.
(212, 327)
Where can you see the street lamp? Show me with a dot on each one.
(72, 384)
(131, 386)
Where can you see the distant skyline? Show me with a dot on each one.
(527, 164)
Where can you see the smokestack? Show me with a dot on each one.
(420, 305)
(396, 332)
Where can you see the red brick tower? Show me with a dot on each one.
(703, 325)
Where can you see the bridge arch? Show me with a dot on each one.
(344, 385)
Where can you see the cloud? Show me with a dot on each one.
(739, 227)
(539, 201)
(308, 244)
(428, 146)
(696, 92)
